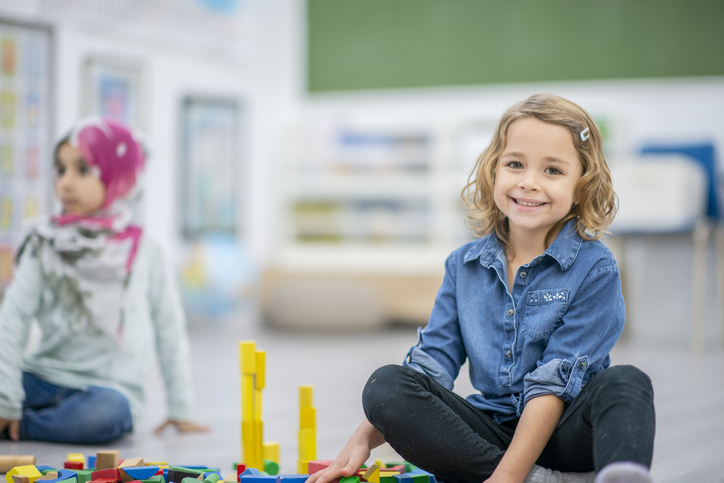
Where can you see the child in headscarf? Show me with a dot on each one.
(103, 297)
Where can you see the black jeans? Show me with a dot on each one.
(612, 419)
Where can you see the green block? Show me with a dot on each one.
(154, 479)
(84, 476)
(212, 478)
(421, 478)
(388, 479)
(235, 464)
(270, 467)
(190, 480)
(349, 479)
(189, 470)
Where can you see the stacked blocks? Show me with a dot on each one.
(307, 430)
(255, 453)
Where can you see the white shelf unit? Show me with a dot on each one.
(377, 201)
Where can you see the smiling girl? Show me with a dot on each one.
(534, 306)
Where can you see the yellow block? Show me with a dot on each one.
(379, 463)
(307, 444)
(307, 417)
(77, 457)
(256, 412)
(28, 470)
(247, 442)
(303, 467)
(260, 370)
(305, 396)
(247, 397)
(372, 474)
(271, 451)
(247, 356)
(162, 464)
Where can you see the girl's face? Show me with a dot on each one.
(78, 189)
(536, 177)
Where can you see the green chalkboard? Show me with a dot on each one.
(382, 44)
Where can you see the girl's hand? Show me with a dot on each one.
(13, 428)
(354, 453)
(182, 427)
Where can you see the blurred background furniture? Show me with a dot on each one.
(672, 189)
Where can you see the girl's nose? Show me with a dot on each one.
(529, 181)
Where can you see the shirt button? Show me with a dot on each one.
(508, 353)
(581, 365)
(510, 311)
(523, 274)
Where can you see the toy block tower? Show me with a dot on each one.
(253, 379)
(307, 429)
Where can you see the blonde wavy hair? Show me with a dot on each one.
(597, 202)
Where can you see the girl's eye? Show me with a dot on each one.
(59, 170)
(553, 171)
(514, 165)
(84, 170)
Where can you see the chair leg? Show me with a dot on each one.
(698, 332)
(719, 290)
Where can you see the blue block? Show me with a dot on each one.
(403, 478)
(250, 472)
(45, 468)
(141, 472)
(292, 478)
(91, 462)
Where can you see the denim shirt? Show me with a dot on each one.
(547, 334)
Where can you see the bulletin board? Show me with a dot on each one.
(382, 44)
(25, 113)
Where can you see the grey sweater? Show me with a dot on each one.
(76, 356)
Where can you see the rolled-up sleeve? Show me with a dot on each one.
(579, 347)
(440, 352)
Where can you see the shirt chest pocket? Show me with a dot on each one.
(544, 310)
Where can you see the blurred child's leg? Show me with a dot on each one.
(612, 420)
(432, 427)
(58, 414)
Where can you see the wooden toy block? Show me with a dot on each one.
(305, 396)
(10, 461)
(256, 405)
(75, 457)
(155, 479)
(176, 474)
(107, 474)
(132, 462)
(307, 417)
(91, 462)
(271, 467)
(247, 397)
(240, 468)
(318, 465)
(308, 444)
(419, 476)
(107, 459)
(349, 479)
(303, 467)
(73, 465)
(84, 476)
(398, 468)
(103, 480)
(250, 472)
(292, 478)
(51, 475)
(64, 476)
(379, 463)
(247, 355)
(372, 474)
(260, 382)
(138, 472)
(29, 471)
(388, 478)
(402, 478)
(212, 478)
(190, 480)
(21, 479)
(271, 451)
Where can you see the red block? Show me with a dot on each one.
(103, 480)
(73, 465)
(399, 468)
(110, 474)
(318, 465)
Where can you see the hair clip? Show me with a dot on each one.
(585, 134)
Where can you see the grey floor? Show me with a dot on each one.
(689, 385)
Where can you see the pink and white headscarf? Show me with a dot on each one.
(88, 259)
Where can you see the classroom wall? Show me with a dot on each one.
(262, 77)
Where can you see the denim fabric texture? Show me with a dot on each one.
(58, 414)
(549, 333)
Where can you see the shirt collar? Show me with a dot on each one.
(564, 248)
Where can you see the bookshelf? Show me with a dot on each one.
(376, 203)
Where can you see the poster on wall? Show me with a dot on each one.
(112, 87)
(210, 166)
(25, 105)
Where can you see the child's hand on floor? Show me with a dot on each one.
(182, 427)
(13, 428)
